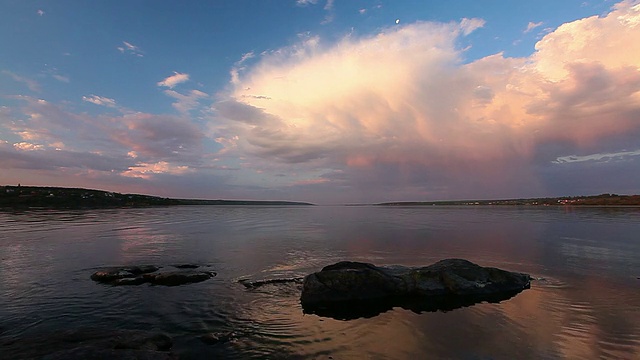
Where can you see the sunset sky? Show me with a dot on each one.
(327, 101)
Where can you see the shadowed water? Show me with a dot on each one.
(586, 303)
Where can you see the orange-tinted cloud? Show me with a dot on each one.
(405, 98)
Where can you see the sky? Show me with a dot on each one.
(326, 101)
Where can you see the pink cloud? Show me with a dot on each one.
(173, 80)
(99, 100)
(404, 99)
(55, 139)
(31, 84)
(532, 25)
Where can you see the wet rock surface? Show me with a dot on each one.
(136, 275)
(218, 337)
(252, 284)
(347, 290)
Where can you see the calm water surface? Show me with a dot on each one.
(586, 306)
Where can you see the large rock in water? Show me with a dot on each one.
(342, 288)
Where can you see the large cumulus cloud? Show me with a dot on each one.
(404, 104)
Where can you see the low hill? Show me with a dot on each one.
(60, 197)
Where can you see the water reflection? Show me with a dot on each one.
(416, 304)
(138, 240)
(587, 306)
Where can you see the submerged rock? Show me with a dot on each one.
(186, 266)
(217, 337)
(252, 284)
(112, 274)
(368, 290)
(136, 275)
(175, 278)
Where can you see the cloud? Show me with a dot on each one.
(158, 137)
(31, 84)
(129, 48)
(173, 80)
(402, 106)
(61, 78)
(306, 2)
(532, 25)
(239, 66)
(99, 100)
(186, 103)
(605, 157)
(54, 139)
(470, 25)
(328, 7)
(39, 157)
(27, 146)
(146, 170)
(40, 12)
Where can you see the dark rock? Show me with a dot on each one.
(136, 275)
(129, 281)
(353, 289)
(249, 284)
(176, 278)
(217, 337)
(112, 274)
(186, 266)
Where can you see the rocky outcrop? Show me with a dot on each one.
(353, 289)
(252, 284)
(136, 275)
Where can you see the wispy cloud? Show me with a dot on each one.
(173, 80)
(470, 25)
(31, 84)
(239, 66)
(129, 48)
(306, 2)
(532, 25)
(328, 7)
(64, 79)
(185, 103)
(601, 157)
(99, 100)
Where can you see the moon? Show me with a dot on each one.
(397, 21)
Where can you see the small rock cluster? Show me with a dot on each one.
(136, 275)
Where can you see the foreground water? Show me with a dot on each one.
(587, 304)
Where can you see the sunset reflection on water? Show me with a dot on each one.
(584, 303)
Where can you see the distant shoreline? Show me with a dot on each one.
(49, 197)
(610, 200)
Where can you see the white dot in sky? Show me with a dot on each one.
(397, 21)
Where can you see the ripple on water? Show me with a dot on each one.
(570, 313)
